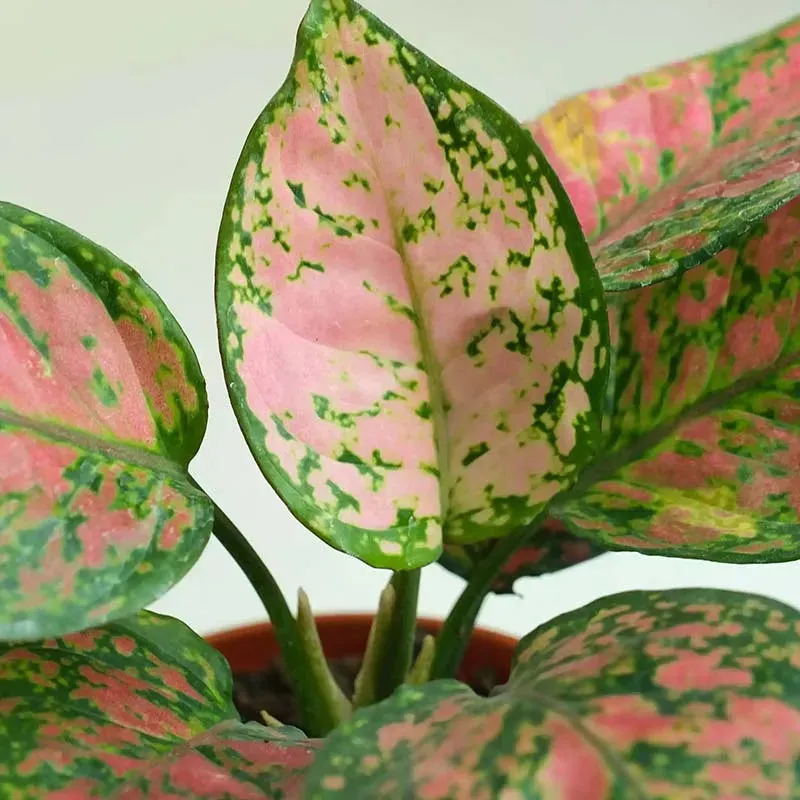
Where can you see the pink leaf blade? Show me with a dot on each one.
(102, 405)
(63, 362)
(691, 692)
(165, 364)
(700, 268)
(703, 429)
(405, 302)
(139, 708)
(246, 762)
(615, 147)
(89, 534)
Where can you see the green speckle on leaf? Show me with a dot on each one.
(520, 342)
(691, 449)
(299, 193)
(433, 187)
(343, 419)
(400, 308)
(314, 266)
(344, 500)
(666, 164)
(347, 456)
(462, 273)
(356, 179)
(348, 58)
(424, 411)
(475, 452)
(379, 461)
(102, 389)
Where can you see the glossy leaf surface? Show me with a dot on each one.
(551, 549)
(411, 325)
(658, 695)
(690, 183)
(136, 709)
(102, 405)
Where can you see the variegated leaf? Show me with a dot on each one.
(411, 325)
(615, 147)
(102, 405)
(551, 549)
(137, 709)
(691, 693)
(701, 266)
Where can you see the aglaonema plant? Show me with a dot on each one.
(447, 337)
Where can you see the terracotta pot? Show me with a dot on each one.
(253, 647)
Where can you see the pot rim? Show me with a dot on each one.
(433, 624)
(253, 646)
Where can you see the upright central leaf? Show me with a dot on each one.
(412, 327)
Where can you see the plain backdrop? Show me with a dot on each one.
(124, 120)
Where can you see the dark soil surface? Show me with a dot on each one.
(270, 690)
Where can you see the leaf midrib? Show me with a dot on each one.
(150, 766)
(68, 388)
(129, 453)
(605, 467)
(430, 364)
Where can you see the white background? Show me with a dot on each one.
(124, 120)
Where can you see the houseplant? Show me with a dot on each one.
(426, 354)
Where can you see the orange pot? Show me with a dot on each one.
(253, 647)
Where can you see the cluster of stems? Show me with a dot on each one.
(388, 658)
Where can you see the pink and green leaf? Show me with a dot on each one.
(167, 380)
(616, 147)
(140, 708)
(102, 405)
(687, 693)
(551, 549)
(701, 270)
(412, 328)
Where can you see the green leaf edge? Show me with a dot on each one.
(616, 282)
(694, 595)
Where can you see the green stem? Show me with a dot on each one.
(306, 689)
(334, 706)
(390, 646)
(399, 653)
(456, 632)
(366, 685)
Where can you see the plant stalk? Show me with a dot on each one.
(306, 689)
(390, 646)
(335, 707)
(456, 632)
(399, 652)
(366, 688)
